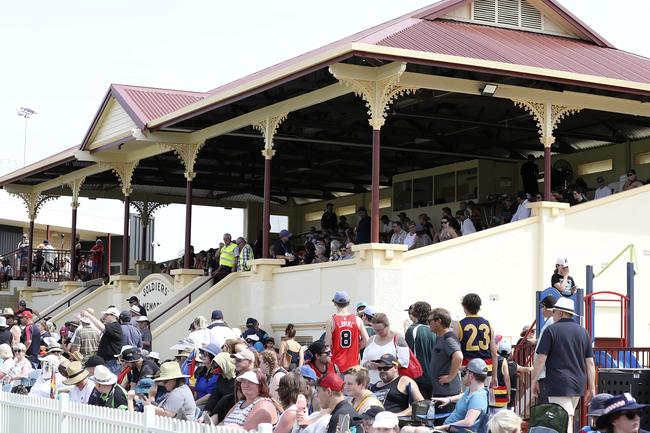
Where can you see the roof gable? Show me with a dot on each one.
(113, 124)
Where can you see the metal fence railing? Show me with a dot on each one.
(50, 264)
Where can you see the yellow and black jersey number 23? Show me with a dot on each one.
(483, 344)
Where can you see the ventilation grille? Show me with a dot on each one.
(511, 13)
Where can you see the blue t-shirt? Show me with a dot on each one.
(477, 400)
(204, 385)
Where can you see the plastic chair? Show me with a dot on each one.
(604, 359)
(626, 359)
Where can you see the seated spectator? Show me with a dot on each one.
(320, 254)
(222, 396)
(140, 367)
(335, 252)
(282, 249)
(331, 398)
(395, 392)
(622, 414)
(411, 236)
(446, 230)
(178, 398)
(596, 408)
(384, 341)
(268, 361)
(20, 369)
(561, 280)
(81, 386)
(254, 405)
(356, 387)
(603, 190)
(290, 386)
(367, 418)
(522, 207)
(425, 222)
(93, 362)
(578, 196)
(508, 210)
(310, 253)
(505, 421)
(43, 386)
(632, 181)
(466, 224)
(385, 422)
(386, 229)
(398, 234)
(423, 238)
(472, 403)
(206, 375)
(107, 392)
(6, 359)
(342, 225)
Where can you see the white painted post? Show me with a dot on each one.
(63, 412)
(149, 419)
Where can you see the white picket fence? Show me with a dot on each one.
(24, 414)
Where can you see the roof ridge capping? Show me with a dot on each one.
(443, 7)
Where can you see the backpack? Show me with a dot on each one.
(545, 417)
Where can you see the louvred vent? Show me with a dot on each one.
(511, 13)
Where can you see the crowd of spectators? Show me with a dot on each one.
(360, 367)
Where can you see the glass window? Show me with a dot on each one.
(444, 188)
(467, 184)
(279, 222)
(402, 195)
(423, 192)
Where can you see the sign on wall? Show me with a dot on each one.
(155, 290)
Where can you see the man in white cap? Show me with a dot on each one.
(107, 392)
(111, 340)
(565, 350)
(386, 422)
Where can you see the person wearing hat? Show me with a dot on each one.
(596, 408)
(43, 385)
(565, 350)
(144, 326)
(207, 374)
(85, 339)
(547, 305)
(282, 249)
(254, 405)
(385, 422)
(254, 343)
(507, 373)
(92, 362)
(107, 392)
(135, 302)
(110, 342)
(253, 327)
(5, 334)
(561, 280)
(222, 395)
(31, 336)
(82, 387)
(394, 392)
(367, 418)
(130, 333)
(12, 324)
(330, 396)
(155, 357)
(470, 404)
(622, 414)
(321, 359)
(345, 333)
(219, 330)
(179, 398)
(139, 366)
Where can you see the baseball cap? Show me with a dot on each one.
(504, 348)
(284, 233)
(125, 316)
(370, 413)
(316, 347)
(249, 376)
(562, 261)
(94, 361)
(143, 386)
(387, 359)
(331, 381)
(548, 302)
(308, 373)
(362, 304)
(341, 297)
(251, 322)
(385, 419)
(26, 314)
(112, 311)
(22, 303)
(369, 311)
(133, 299)
(217, 315)
(131, 355)
(244, 354)
(477, 366)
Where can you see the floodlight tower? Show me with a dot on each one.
(26, 113)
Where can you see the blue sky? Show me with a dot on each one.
(60, 57)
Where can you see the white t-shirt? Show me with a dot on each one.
(409, 240)
(522, 212)
(601, 192)
(320, 426)
(42, 386)
(81, 395)
(467, 227)
(374, 351)
(220, 333)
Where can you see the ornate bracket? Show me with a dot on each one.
(75, 186)
(188, 152)
(146, 209)
(268, 128)
(548, 117)
(378, 94)
(33, 202)
(124, 172)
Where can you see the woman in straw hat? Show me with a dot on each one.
(178, 401)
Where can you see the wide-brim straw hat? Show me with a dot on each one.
(76, 373)
(170, 370)
(103, 376)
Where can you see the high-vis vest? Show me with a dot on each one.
(227, 256)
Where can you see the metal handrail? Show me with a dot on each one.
(48, 265)
(68, 302)
(178, 301)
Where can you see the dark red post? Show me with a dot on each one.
(266, 210)
(376, 166)
(143, 248)
(73, 244)
(188, 224)
(547, 173)
(108, 256)
(30, 252)
(125, 237)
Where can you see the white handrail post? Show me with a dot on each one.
(64, 408)
(149, 418)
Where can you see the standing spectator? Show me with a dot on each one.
(110, 342)
(22, 306)
(603, 190)
(404, 219)
(253, 327)
(49, 255)
(522, 210)
(12, 323)
(632, 181)
(130, 334)
(86, 338)
(5, 334)
(227, 255)
(6, 272)
(395, 392)
(421, 340)
(145, 332)
(547, 305)
(345, 334)
(383, 342)
(96, 256)
(245, 256)
(561, 280)
(328, 221)
(363, 226)
(22, 255)
(529, 175)
(291, 353)
(565, 350)
(343, 225)
(398, 234)
(31, 336)
(282, 249)
(477, 336)
(411, 236)
(135, 302)
(466, 224)
(446, 357)
(219, 330)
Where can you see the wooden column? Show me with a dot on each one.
(376, 167)
(188, 223)
(73, 244)
(547, 174)
(266, 209)
(125, 238)
(30, 252)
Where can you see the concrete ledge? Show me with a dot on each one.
(379, 255)
(125, 283)
(184, 276)
(69, 286)
(25, 294)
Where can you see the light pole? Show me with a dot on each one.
(26, 113)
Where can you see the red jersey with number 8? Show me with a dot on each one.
(345, 342)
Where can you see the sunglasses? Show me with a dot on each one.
(328, 353)
(631, 415)
(384, 368)
(18, 350)
(444, 222)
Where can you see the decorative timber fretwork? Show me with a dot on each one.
(268, 128)
(33, 202)
(146, 209)
(124, 172)
(187, 153)
(75, 186)
(547, 116)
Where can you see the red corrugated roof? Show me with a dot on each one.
(521, 48)
(148, 103)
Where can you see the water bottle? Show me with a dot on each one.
(431, 414)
